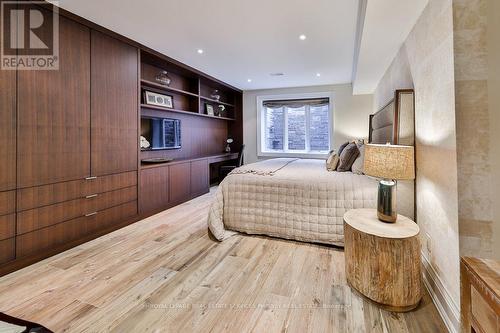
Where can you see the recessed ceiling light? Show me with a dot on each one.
(277, 74)
(249, 80)
(302, 37)
(318, 74)
(200, 51)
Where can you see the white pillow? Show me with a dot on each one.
(357, 166)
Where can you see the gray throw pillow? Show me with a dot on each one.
(347, 158)
(342, 146)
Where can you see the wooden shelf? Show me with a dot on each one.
(214, 101)
(158, 86)
(159, 108)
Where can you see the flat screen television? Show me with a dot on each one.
(161, 133)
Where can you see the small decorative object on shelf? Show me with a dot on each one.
(209, 109)
(163, 78)
(222, 108)
(152, 98)
(228, 147)
(144, 143)
(215, 95)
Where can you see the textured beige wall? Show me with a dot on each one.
(473, 123)
(494, 112)
(350, 114)
(425, 63)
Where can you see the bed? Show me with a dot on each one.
(298, 198)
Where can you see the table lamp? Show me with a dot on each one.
(389, 163)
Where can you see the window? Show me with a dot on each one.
(299, 126)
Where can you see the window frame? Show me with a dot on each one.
(261, 125)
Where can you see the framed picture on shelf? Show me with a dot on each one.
(209, 109)
(152, 98)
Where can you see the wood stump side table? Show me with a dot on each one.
(382, 260)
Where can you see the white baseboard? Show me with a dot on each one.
(441, 297)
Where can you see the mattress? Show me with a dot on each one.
(289, 198)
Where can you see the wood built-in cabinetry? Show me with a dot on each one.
(7, 165)
(53, 141)
(77, 141)
(114, 105)
(70, 165)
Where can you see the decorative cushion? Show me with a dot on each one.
(332, 161)
(348, 156)
(358, 165)
(342, 146)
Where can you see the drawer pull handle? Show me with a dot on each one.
(91, 196)
(91, 178)
(90, 214)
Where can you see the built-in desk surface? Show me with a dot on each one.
(211, 159)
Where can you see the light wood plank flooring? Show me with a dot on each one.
(165, 274)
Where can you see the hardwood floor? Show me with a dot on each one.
(165, 274)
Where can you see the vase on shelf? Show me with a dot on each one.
(215, 95)
(221, 108)
(163, 78)
(228, 147)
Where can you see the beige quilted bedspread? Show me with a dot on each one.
(289, 198)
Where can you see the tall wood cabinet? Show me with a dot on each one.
(114, 105)
(53, 130)
(7, 164)
(76, 145)
(7, 130)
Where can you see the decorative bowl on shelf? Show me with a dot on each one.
(215, 95)
(163, 78)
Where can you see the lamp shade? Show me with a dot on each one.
(390, 161)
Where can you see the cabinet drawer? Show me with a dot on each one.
(112, 216)
(7, 226)
(33, 197)
(7, 250)
(38, 218)
(114, 182)
(113, 198)
(71, 230)
(7, 202)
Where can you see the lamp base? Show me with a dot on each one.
(386, 201)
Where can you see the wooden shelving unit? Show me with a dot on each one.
(202, 134)
(216, 102)
(161, 87)
(192, 113)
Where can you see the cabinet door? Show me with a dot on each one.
(153, 189)
(53, 130)
(180, 183)
(7, 130)
(114, 119)
(199, 178)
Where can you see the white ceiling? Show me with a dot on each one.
(251, 39)
(241, 39)
(386, 25)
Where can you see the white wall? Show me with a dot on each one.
(350, 114)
